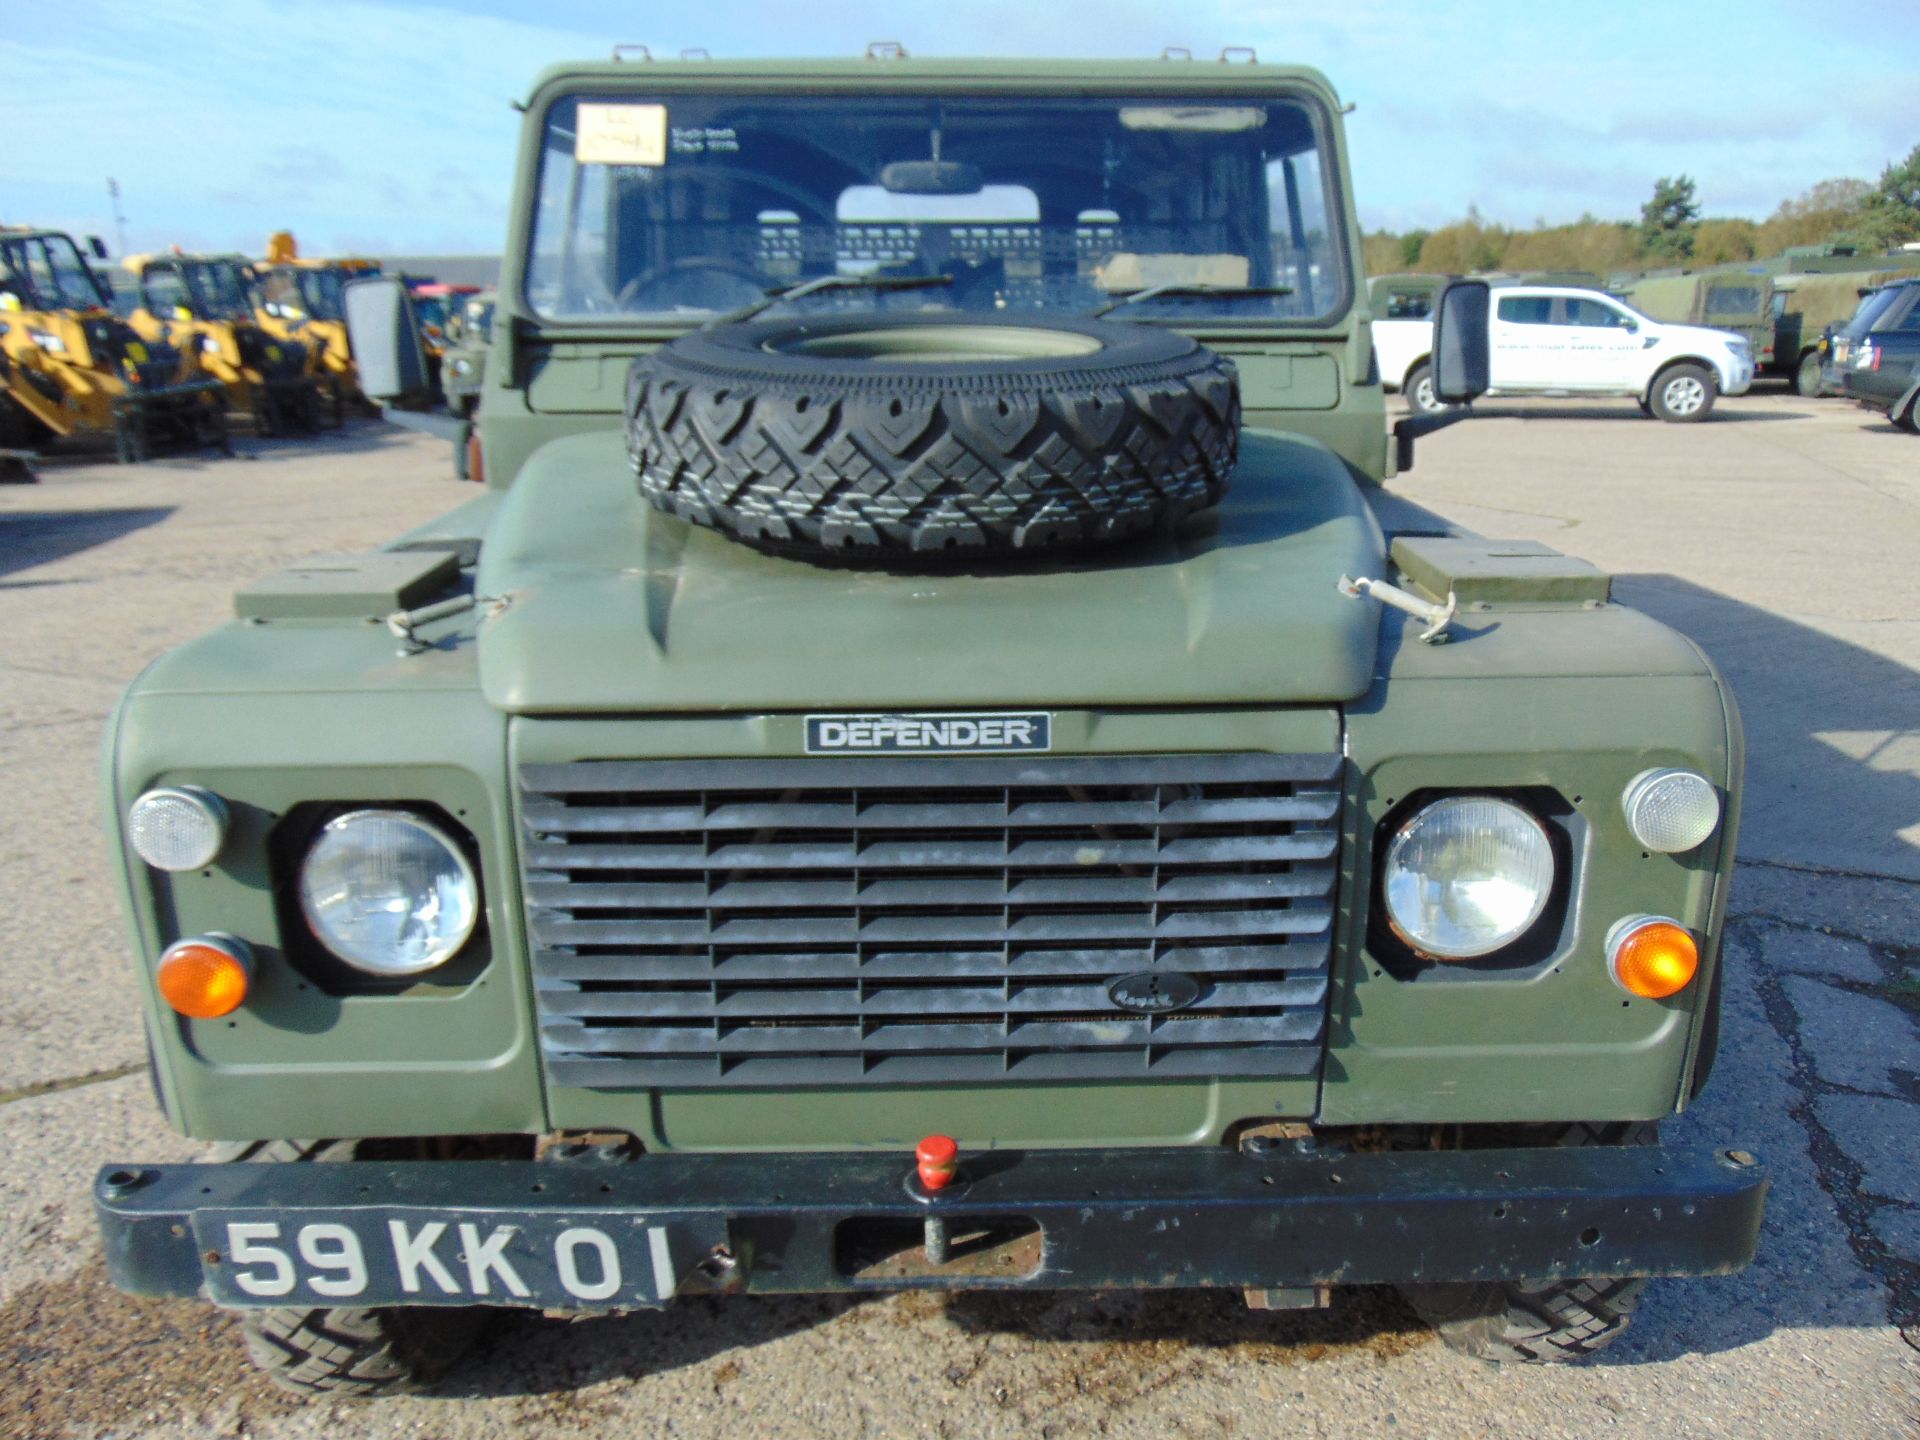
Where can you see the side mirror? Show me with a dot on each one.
(1462, 351)
(384, 334)
(97, 246)
(1633, 327)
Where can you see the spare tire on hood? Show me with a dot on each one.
(932, 435)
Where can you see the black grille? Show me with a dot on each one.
(915, 920)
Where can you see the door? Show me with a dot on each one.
(1525, 341)
(1603, 345)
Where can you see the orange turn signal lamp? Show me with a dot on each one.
(1652, 957)
(205, 977)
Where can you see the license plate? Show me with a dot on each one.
(405, 1255)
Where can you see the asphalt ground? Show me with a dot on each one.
(1783, 535)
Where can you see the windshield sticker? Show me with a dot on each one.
(621, 135)
(705, 140)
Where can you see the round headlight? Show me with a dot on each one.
(388, 892)
(1671, 810)
(177, 827)
(1467, 875)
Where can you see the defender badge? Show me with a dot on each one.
(1154, 992)
(997, 733)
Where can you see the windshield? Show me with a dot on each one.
(432, 310)
(320, 291)
(47, 273)
(220, 291)
(701, 204)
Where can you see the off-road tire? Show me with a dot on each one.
(1422, 398)
(1537, 1321)
(343, 1350)
(830, 438)
(1683, 394)
(1807, 375)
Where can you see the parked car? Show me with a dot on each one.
(1806, 307)
(1876, 358)
(1557, 340)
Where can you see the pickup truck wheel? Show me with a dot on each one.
(1538, 1321)
(932, 436)
(1806, 375)
(1421, 396)
(343, 1350)
(1682, 394)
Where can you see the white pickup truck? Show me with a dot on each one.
(1554, 340)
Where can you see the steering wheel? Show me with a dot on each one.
(733, 270)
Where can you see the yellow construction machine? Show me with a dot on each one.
(69, 366)
(302, 299)
(205, 303)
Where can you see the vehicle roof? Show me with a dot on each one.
(29, 232)
(906, 73)
(1585, 291)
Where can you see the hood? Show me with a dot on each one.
(1700, 335)
(604, 605)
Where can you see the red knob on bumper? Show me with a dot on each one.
(938, 1158)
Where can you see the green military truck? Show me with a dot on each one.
(1404, 297)
(934, 762)
(1739, 300)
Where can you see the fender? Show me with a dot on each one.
(1907, 405)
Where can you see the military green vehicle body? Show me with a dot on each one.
(605, 630)
(1740, 300)
(463, 368)
(1403, 297)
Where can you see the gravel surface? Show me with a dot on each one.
(1781, 534)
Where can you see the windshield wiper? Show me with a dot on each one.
(1154, 292)
(829, 282)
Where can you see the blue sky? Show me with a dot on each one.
(385, 125)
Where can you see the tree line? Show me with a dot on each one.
(1671, 231)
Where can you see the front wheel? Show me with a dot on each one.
(348, 1350)
(1538, 1321)
(1421, 396)
(1683, 395)
(1530, 1321)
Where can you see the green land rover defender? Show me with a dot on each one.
(934, 762)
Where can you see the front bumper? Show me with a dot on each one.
(166, 399)
(1134, 1219)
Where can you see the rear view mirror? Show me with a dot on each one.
(1462, 352)
(932, 177)
(384, 333)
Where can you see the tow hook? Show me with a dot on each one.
(936, 1166)
(1437, 617)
